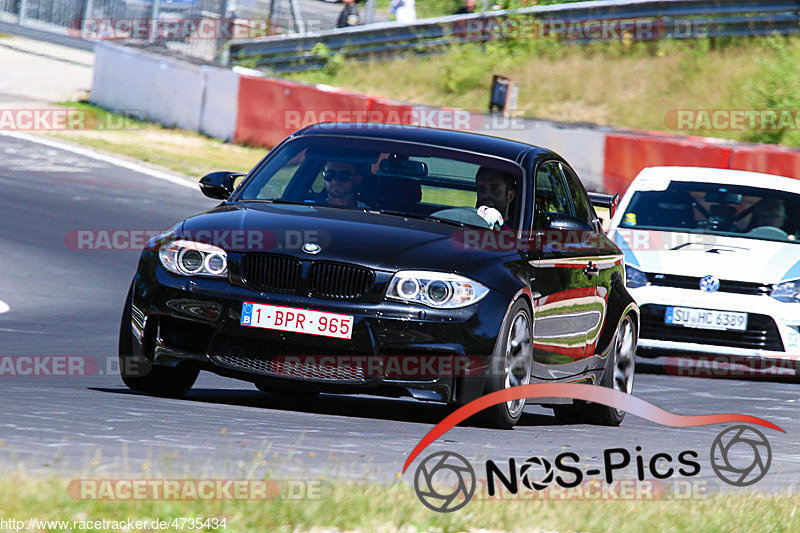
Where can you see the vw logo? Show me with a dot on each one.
(444, 482)
(741, 456)
(311, 248)
(709, 283)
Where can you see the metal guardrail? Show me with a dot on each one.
(676, 19)
(82, 23)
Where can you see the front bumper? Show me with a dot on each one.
(773, 329)
(179, 320)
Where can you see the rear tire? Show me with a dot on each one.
(617, 374)
(140, 374)
(514, 358)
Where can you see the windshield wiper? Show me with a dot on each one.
(272, 201)
(422, 217)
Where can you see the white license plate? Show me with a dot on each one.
(705, 318)
(297, 320)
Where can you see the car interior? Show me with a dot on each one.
(711, 207)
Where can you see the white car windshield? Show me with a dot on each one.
(718, 209)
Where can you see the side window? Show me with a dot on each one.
(583, 207)
(551, 195)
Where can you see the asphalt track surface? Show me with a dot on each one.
(67, 302)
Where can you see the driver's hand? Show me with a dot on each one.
(492, 216)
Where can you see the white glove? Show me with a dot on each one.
(492, 216)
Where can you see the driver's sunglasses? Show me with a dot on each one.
(339, 175)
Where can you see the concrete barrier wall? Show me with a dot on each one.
(253, 109)
(220, 103)
(583, 148)
(157, 88)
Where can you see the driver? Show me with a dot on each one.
(496, 189)
(341, 183)
(769, 212)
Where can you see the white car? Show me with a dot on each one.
(713, 260)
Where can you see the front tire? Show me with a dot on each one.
(139, 373)
(510, 366)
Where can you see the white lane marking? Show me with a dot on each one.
(3, 307)
(102, 157)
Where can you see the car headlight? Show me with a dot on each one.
(788, 291)
(435, 289)
(190, 258)
(634, 277)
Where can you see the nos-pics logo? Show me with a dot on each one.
(445, 481)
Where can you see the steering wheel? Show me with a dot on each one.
(466, 215)
(768, 232)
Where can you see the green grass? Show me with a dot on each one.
(369, 507)
(183, 151)
(626, 85)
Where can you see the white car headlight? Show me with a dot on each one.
(634, 277)
(435, 289)
(190, 258)
(788, 291)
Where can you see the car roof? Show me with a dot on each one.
(461, 140)
(657, 177)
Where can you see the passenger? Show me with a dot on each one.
(496, 189)
(341, 183)
(769, 212)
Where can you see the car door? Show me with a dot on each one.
(601, 260)
(564, 288)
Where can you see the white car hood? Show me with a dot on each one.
(692, 254)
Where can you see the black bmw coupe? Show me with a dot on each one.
(390, 260)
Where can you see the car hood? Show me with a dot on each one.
(384, 242)
(695, 254)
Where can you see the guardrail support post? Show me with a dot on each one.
(154, 20)
(370, 17)
(299, 26)
(224, 25)
(87, 14)
(273, 7)
(23, 8)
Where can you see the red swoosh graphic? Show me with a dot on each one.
(590, 393)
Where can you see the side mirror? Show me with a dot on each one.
(568, 223)
(219, 185)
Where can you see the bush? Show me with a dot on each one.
(777, 86)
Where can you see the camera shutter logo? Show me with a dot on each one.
(734, 463)
(526, 473)
(451, 493)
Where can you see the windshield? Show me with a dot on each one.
(391, 177)
(717, 209)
